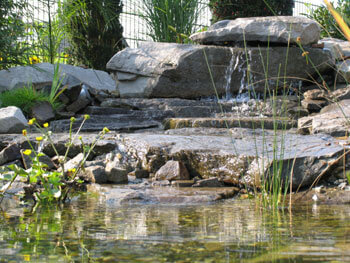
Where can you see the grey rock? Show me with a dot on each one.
(11, 153)
(117, 173)
(95, 174)
(83, 100)
(341, 94)
(172, 170)
(337, 47)
(43, 112)
(73, 163)
(343, 71)
(332, 120)
(273, 29)
(12, 120)
(168, 70)
(315, 94)
(42, 75)
(313, 105)
(140, 174)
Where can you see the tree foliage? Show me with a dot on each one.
(93, 30)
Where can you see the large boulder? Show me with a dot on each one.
(169, 70)
(42, 74)
(273, 29)
(12, 120)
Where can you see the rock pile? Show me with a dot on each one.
(160, 96)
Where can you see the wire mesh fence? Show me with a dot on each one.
(135, 27)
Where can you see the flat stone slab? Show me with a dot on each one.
(273, 29)
(232, 122)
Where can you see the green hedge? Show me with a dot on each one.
(232, 9)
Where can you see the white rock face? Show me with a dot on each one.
(273, 29)
(12, 120)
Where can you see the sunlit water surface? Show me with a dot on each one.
(88, 230)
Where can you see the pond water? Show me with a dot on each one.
(89, 230)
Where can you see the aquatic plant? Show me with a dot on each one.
(47, 186)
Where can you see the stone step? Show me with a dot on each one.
(120, 123)
(234, 122)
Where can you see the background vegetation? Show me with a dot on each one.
(232, 9)
(322, 15)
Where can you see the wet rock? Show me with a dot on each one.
(273, 29)
(210, 182)
(43, 112)
(182, 183)
(140, 174)
(95, 174)
(172, 170)
(240, 122)
(9, 154)
(184, 73)
(12, 120)
(128, 195)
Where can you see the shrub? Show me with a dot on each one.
(171, 20)
(232, 9)
(12, 29)
(93, 30)
(329, 26)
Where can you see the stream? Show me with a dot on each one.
(89, 229)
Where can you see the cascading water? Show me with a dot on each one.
(228, 75)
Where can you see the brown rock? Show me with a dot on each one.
(173, 170)
(313, 105)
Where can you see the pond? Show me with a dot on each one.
(92, 230)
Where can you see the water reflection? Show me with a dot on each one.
(231, 231)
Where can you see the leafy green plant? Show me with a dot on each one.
(49, 186)
(323, 16)
(93, 30)
(12, 29)
(232, 9)
(171, 20)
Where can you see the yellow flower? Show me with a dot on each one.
(80, 137)
(66, 55)
(31, 121)
(105, 130)
(40, 138)
(24, 132)
(46, 125)
(305, 53)
(0, 58)
(298, 39)
(86, 116)
(72, 119)
(72, 170)
(34, 60)
(27, 152)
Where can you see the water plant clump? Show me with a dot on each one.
(44, 185)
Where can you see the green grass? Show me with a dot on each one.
(24, 98)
